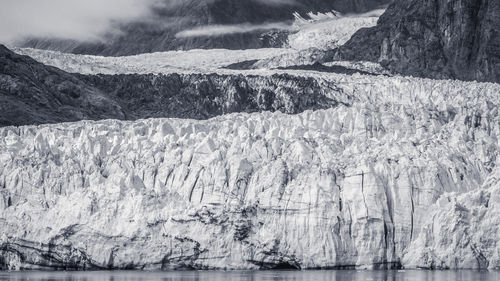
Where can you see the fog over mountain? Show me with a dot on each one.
(160, 25)
(69, 19)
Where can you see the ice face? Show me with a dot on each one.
(399, 171)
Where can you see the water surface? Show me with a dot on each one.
(326, 275)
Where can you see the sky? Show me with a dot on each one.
(90, 20)
(68, 19)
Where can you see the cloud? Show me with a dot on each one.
(217, 30)
(86, 20)
(94, 20)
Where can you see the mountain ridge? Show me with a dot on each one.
(159, 32)
(436, 39)
(34, 93)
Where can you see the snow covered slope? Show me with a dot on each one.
(318, 31)
(261, 62)
(355, 185)
(328, 31)
(239, 24)
(162, 62)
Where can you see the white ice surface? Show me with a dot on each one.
(328, 32)
(321, 33)
(162, 62)
(365, 184)
(404, 170)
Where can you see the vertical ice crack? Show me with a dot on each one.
(390, 210)
(155, 173)
(412, 211)
(194, 184)
(363, 191)
(350, 220)
(168, 176)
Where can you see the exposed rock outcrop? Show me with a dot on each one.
(435, 38)
(33, 93)
(354, 185)
(202, 96)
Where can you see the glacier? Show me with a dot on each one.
(261, 61)
(400, 172)
(308, 36)
(192, 61)
(328, 30)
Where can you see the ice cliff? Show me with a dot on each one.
(399, 172)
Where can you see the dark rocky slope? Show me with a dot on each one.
(33, 93)
(434, 38)
(201, 96)
(159, 32)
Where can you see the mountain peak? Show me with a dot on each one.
(438, 39)
(239, 25)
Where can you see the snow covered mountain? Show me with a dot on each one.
(251, 159)
(328, 31)
(238, 24)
